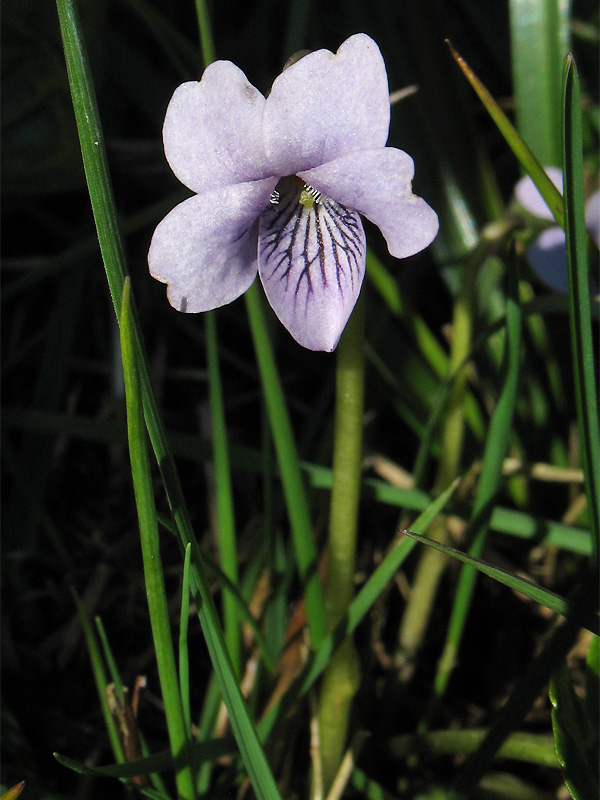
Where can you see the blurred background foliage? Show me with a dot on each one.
(68, 517)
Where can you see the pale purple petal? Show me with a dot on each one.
(311, 262)
(325, 106)
(529, 197)
(206, 248)
(592, 217)
(213, 130)
(548, 257)
(378, 184)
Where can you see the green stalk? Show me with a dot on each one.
(342, 677)
(223, 491)
(153, 572)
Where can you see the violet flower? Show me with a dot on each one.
(548, 255)
(280, 183)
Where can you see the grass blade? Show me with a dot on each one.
(289, 466)
(225, 516)
(153, 573)
(524, 155)
(536, 593)
(356, 612)
(101, 196)
(539, 42)
(579, 300)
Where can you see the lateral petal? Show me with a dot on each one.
(311, 261)
(213, 130)
(325, 106)
(205, 249)
(378, 183)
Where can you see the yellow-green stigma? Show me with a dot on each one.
(309, 196)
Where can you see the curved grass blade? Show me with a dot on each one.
(582, 345)
(536, 593)
(210, 750)
(526, 158)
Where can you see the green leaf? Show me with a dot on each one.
(14, 791)
(103, 206)
(582, 344)
(536, 593)
(526, 158)
(539, 42)
(576, 742)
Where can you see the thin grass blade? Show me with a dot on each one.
(524, 155)
(582, 346)
(101, 196)
(536, 593)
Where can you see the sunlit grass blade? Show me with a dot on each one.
(582, 346)
(153, 573)
(539, 42)
(536, 593)
(289, 466)
(496, 446)
(524, 155)
(357, 610)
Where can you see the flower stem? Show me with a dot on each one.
(342, 676)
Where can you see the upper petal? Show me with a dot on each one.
(311, 261)
(205, 249)
(213, 130)
(378, 184)
(327, 105)
(529, 197)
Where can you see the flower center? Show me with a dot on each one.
(308, 194)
